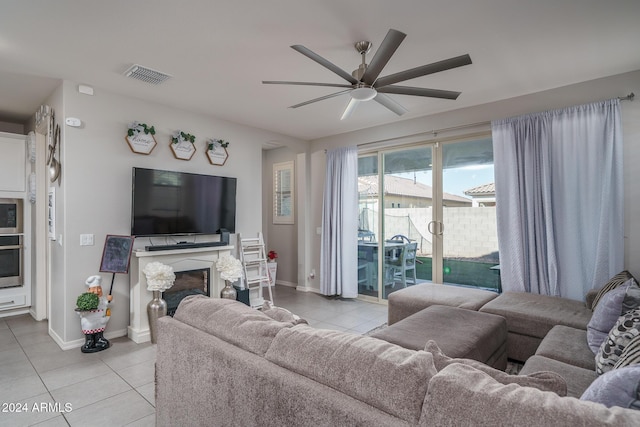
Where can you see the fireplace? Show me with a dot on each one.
(191, 282)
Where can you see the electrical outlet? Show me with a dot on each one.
(86, 240)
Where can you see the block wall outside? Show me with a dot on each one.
(468, 232)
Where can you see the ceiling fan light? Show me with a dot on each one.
(363, 93)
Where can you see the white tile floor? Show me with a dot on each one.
(115, 387)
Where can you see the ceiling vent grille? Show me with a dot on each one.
(146, 74)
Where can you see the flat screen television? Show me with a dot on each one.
(180, 203)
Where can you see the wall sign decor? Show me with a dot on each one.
(140, 138)
(217, 151)
(116, 254)
(182, 145)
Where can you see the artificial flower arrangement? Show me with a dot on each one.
(181, 136)
(212, 144)
(272, 255)
(229, 267)
(160, 277)
(135, 128)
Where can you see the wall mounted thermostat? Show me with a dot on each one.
(73, 122)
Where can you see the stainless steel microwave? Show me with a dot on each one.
(11, 216)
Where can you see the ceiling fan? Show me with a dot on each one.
(365, 83)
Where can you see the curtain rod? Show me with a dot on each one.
(435, 132)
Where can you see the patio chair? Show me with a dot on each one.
(405, 266)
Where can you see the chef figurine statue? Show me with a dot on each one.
(94, 322)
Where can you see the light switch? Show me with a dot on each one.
(86, 240)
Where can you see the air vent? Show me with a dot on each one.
(146, 74)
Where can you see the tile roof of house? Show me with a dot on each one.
(482, 190)
(402, 187)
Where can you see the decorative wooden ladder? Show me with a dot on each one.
(256, 272)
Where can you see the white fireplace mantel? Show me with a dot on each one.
(180, 260)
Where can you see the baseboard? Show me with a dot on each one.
(288, 284)
(69, 345)
(308, 289)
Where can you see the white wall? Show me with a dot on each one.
(282, 238)
(94, 196)
(421, 129)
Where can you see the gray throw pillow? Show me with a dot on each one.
(606, 314)
(544, 380)
(281, 314)
(619, 387)
(627, 327)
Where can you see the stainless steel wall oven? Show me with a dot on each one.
(11, 243)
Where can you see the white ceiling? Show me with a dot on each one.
(218, 52)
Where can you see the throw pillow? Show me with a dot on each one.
(619, 387)
(606, 314)
(627, 327)
(545, 381)
(281, 314)
(613, 283)
(630, 355)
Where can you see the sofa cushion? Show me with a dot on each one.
(568, 345)
(381, 374)
(613, 283)
(545, 381)
(578, 379)
(606, 314)
(630, 355)
(231, 321)
(626, 328)
(534, 315)
(460, 395)
(459, 332)
(619, 387)
(405, 302)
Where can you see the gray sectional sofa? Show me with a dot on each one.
(221, 363)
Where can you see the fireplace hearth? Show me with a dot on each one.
(191, 282)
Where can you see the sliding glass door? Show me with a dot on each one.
(427, 214)
(395, 209)
(469, 238)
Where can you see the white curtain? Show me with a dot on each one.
(339, 247)
(559, 199)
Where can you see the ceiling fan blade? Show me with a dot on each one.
(419, 91)
(386, 50)
(390, 104)
(353, 103)
(423, 70)
(325, 63)
(277, 82)
(321, 98)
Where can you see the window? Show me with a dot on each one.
(283, 195)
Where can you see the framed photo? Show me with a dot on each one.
(116, 254)
(51, 216)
